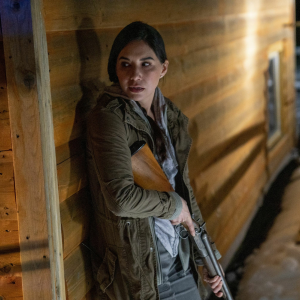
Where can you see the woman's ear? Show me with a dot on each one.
(165, 66)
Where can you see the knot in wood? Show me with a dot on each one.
(29, 81)
(5, 269)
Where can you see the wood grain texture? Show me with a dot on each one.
(11, 287)
(212, 187)
(5, 141)
(88, 65)
(8, 209)
(218, 53)
(48, 151)
(78, 273)
(227, 210)
(147, 173)
(216, 140)
(280, 150)
(10, 264)
(70, 149)
(75, 217)
(71, 176)
(23, 73)
(70, 15)
(245, 208)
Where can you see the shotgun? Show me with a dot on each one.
(148, 174)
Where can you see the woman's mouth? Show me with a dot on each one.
(135, 89)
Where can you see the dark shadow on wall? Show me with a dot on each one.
(77, 208)
(208, 203)
(92, 87)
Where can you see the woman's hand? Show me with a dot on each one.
(214, 282)
(185, 217)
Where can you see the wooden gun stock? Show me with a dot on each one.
(148, 174)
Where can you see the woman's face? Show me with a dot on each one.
(139, 70)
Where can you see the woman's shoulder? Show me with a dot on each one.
(110, 102)
(107, 109)
(107, 103)
(174, 108)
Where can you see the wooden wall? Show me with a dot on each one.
(10, 264)
(218, 53)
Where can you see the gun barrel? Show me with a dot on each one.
(214, 267)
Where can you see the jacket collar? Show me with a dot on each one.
(177, 124)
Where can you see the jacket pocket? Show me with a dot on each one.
(106, 271)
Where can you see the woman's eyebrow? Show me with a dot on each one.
(147, 58)
(142, 59)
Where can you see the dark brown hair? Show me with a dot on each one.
(136, 31)
(142, 32)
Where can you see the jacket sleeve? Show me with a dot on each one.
(198, 217)
(107, 142)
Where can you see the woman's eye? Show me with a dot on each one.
(124, 64)
(146, 64)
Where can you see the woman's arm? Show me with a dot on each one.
(107, 140)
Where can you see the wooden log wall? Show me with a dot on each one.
(10, 264)
(218, 53)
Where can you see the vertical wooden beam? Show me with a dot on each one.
(48, 150)
(29, 96)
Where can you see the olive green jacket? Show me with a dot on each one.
(122, 235)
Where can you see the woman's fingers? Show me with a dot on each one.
(190, 225)
(185, 218)
(174, 222)
(219, 294)
(214, 282)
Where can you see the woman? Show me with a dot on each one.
(138, 253)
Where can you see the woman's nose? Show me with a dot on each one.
(135, 74)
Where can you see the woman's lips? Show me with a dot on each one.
(135, 89)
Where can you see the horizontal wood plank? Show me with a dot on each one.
(213, 89)
(70, 149)
(6, 157)
(11, 287)
(5, 138)
(9, 231)
(78, 273)
(227, 209)
(212, 187)
(89, 65)
(186, 69)
(75, 217)
(233, 227)
(10, 263)
(216, 140)
(68, 123)
(217, 80)
(8, 209)
(278, 153)
(72, 16)
(71, 176)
